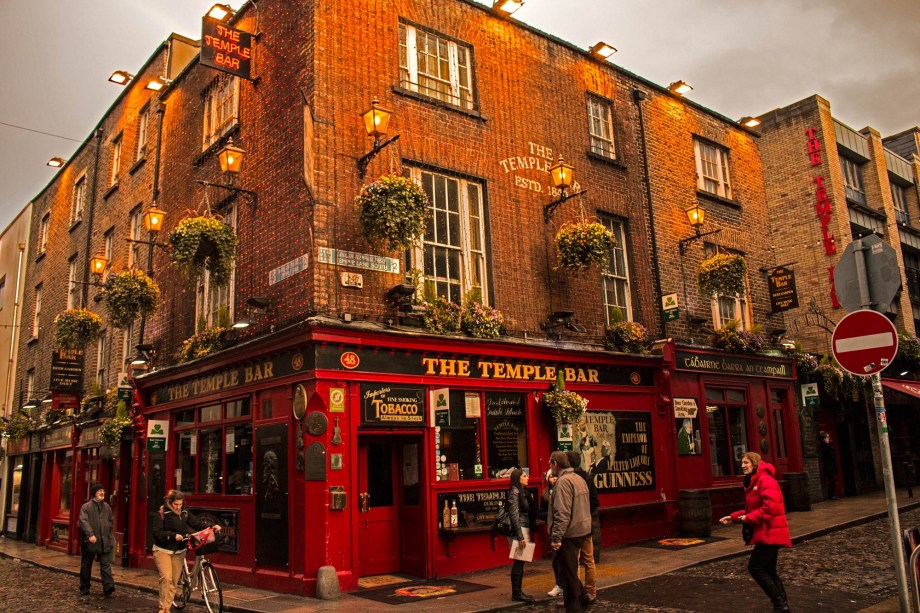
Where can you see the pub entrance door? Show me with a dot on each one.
(390, 515)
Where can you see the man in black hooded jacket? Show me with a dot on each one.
(96, 524)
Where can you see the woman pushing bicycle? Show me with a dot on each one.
(170, 530)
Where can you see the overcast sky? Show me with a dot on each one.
(742, 58)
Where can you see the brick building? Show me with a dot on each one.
(334, 412)
(828, 184)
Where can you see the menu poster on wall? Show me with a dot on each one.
(506, 433)
(616, 449)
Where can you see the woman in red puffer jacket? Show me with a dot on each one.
(764, 519)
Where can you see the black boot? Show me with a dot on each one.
(781, 603)
(517, 580)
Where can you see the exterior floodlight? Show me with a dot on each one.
(679, 87)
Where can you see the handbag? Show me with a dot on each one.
(747, 533)
(502, 524)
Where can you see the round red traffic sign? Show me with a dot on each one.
(865, 342)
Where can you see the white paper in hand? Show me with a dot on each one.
(525, 554)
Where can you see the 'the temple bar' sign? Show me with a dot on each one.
(226, 48)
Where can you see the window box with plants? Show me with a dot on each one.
(626, 336)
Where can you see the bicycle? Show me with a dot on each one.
(202, 576)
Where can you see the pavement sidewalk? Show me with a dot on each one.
(619, 565)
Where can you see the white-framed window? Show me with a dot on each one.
(43, 227)
(127, 350)
(712, 174)
(116, 159)
(108, 245)
(852, 180)
(37, 311)
(79, 199)
(727, 308)
(30, 383)
(899, 197)
(616, 275)
(435, 66)
(136, 223)
(452, 255)
(101, 357)
(73, 288)
(214, 303)
(600, 126)
(140, 150)
(221, 109)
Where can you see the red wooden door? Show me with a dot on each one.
(378, 524)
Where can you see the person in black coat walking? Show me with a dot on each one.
(96, 525)
(829, 465)
(522, 511)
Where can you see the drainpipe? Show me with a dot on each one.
(89, 218)
(638, 97)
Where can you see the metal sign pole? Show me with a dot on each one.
(890, 495)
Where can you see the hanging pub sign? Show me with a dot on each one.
(226, 48)
(66, 370)
(616, 449)
(387, 405)
(782, 290)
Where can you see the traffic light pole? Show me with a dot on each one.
(884, 445)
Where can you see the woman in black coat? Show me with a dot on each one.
(522, 510)
(170, 527)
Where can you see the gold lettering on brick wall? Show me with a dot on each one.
(537, 158)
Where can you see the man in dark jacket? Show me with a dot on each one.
(569, 525)
(96, 524)
(829, 465)
(587, 556)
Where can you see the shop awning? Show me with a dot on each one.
(905, 387)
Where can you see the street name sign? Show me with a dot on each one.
(864, 342)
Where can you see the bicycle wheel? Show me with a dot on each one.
(183, 590)
(210, 588)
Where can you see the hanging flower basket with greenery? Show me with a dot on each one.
(18, 427)
(204, 243)
(393, 210)
(806, 364)
(479, 320)
(112, 429)
(129, 294)
(584, 244)
(830, 380)
(722, 274)
(76, 328)
(202, 344)
(731, 338)
(567, 407)
(52, 416)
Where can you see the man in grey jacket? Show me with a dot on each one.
(96, 524)
(569, 520)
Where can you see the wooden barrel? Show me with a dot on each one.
(798, 498)
(695, 510)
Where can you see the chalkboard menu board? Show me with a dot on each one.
(475, 510)
(505, 433)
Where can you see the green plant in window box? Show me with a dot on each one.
(626, 336)
(53, 415)
(393, 210)
(732, 338)
(722, 274)
(129, 294)
(204, 242)
(18, 426)
(479, 320)
(583, 244)
(75, 328)
(567, 407)
(441, 315)
(202, 344)
(112, 429)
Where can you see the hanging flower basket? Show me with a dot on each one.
(584, 244)
(18, 427)
(202, 344)
(112, 429)
(204, 243)
(129, 294)
(75, 328)
(567, 407)
(830, 380)
(393, 210)
(722, 274)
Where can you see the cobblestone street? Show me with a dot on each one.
(27, 588)
(848, 570)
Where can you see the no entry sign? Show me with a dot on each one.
(865, 342)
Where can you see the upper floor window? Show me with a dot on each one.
(712, 169)
(600, 127)
(899, 197)
(116, 159)
(727, 308)
(108, 244)
(435, 66)
(73, 287)
(126, 346)
(221, 109)
(101, 357)
(43, 233)
(79, 199)
(141, 149)
(30, 383)
(852, 180)
(452, 255)
(37, 311)
(214, 303)
(137, 228)
(616, 275)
